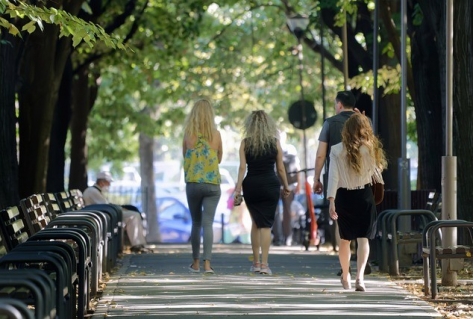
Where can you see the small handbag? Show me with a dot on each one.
(377, 191)
(238, 200)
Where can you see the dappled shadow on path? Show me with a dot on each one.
(304, 284)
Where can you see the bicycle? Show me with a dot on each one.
(310, 234)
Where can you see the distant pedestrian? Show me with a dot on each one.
(355, 162)
(202, 152)
(292, 165)
(298, 217)
(259, 151)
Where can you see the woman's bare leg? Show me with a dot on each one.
(265, 242)
(255, 239)
(363, 250)
(345, 258)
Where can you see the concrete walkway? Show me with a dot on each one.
(303, 285)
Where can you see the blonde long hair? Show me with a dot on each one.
(260, 133)
(201, 120)
(357, 131)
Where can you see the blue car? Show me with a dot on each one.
(174, 220)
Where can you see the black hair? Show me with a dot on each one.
(346, 98)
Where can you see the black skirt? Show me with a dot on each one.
(261, 194)
(357, 214)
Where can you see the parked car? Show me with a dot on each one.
(174, 220)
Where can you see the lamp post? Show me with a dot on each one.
(297, 25)
(404, 191)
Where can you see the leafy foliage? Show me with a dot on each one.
(69, 24)
(240, 55)
(388, 79)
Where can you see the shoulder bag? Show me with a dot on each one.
(378, 191)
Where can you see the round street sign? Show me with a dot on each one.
(295, 114)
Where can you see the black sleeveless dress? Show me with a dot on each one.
(261, 187)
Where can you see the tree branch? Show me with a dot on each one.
(120, 19)
(134, 27)
(129, 35)
(316, 47)
(221, 32)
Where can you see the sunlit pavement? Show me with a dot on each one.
(303, 285)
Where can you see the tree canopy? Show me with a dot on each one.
(241, 54)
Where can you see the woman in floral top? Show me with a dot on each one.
(202, 151)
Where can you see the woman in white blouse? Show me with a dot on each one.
(353, 164)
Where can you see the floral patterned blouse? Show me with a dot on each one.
(201, 164)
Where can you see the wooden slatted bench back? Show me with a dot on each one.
(13, 227)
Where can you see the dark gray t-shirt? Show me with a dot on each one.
(332, 128)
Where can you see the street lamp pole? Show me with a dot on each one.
(404, 191)
(303, 111)
(297, 25)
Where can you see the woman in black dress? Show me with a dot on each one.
(259, 151)
(354, 163)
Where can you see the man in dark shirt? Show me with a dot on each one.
(331, 135)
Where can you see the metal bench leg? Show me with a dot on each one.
(434, 289)
(394, 262)
(426, 274)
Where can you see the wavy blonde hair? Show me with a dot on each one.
(201, 120)
(260, 133)
(357, 131)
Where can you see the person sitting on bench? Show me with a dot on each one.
(131, 220)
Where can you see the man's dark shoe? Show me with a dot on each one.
(140, 249)
(136, 249)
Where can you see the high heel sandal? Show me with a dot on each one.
(255, 267)
(359, 285)
(265, 270)
(346, 284)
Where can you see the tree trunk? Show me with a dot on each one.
(83, 98)
(58, 136)
(389, 133)
(462, 102)
(8, 160)
(37, 97)
(428, 71)
(147, 173)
